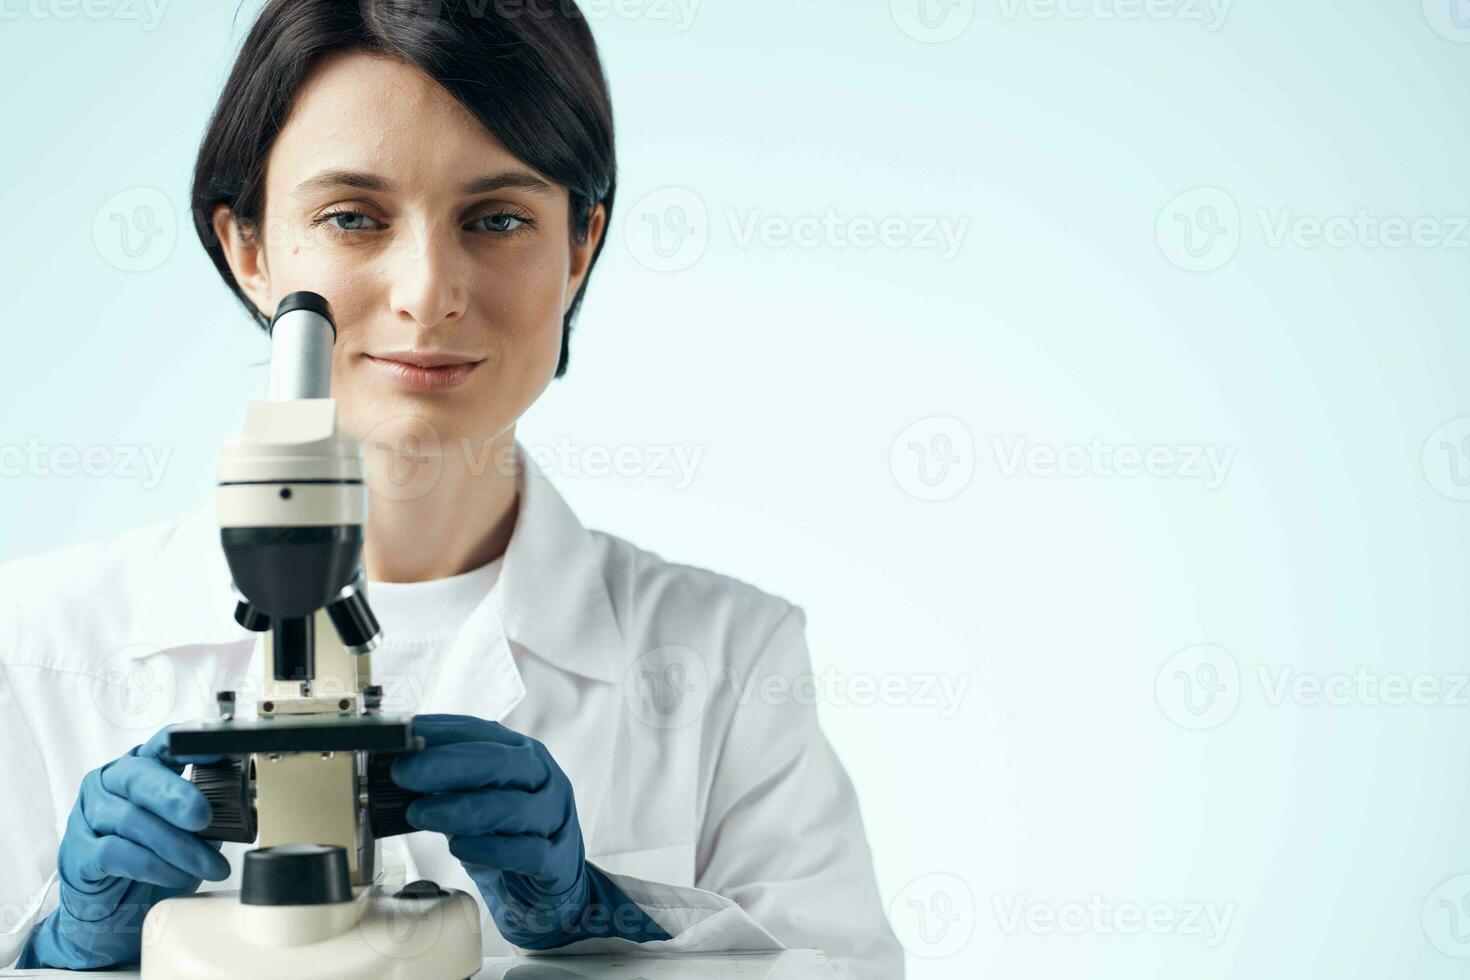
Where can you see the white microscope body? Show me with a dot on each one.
(307, 778)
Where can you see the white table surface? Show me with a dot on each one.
(795, 964)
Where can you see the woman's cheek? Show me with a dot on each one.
(525, 309)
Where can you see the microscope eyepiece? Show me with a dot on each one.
(302, 336)
(304, 299)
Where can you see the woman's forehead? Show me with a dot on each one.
(371, 114)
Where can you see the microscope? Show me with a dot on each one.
(307, 779)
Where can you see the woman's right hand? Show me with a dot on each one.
(131, 841)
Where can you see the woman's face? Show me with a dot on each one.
(426, 235)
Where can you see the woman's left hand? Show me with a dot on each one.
(511, 819)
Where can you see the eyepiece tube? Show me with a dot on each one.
(302, 334)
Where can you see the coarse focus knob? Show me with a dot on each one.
(296, 874)
(226, 785)
(387, 801)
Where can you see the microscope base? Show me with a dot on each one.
(213, 936)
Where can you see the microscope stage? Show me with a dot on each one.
(294, 733)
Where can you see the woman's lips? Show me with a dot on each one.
(417, 378)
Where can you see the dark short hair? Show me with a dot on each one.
(528, 70)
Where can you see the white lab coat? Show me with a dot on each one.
(715, 803)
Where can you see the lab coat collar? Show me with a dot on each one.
(551, 597)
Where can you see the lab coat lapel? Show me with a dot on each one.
(555, 607)
(479, 676)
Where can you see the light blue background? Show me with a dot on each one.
(1061, 137)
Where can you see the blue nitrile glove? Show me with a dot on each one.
(130, 842)
(508, 811)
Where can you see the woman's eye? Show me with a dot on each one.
(349, 221)
(501, 222)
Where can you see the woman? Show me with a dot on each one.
(443, 173)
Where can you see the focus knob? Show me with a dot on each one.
(387, 801)
(226, 785)
(296, 874)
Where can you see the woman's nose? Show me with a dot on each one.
(426, 280)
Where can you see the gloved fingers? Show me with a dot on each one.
(152, 786)
(471, 765)
(528, 854)
(112, 856)
(157, 748)
(486, 811)
(108, 814)
(442, 729)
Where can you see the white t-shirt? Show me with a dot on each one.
(420, 622)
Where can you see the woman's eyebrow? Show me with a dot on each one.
(506, 179)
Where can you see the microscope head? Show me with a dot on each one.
(312, 766)
(291, 500)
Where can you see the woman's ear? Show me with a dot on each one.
(245, 254)
(582, 253)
